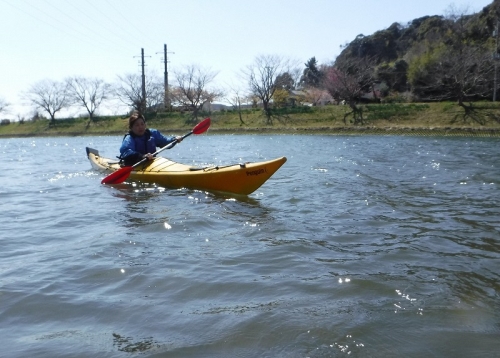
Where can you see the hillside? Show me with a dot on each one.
(432, 58)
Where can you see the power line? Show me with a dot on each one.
(125, 43)
(99, 35)
(128, 22)
(113, 22)
(81, 36)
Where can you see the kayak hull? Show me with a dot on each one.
(242, 178)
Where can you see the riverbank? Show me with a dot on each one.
(440, 119)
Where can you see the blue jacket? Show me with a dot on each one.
(134, 147)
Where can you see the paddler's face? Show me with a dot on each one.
(139, 127)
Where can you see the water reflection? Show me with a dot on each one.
(150, 204)
(127, 344)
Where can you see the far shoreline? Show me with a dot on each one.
(363, 130)
(412, 119)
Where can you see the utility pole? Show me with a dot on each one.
(143, 104)
(166, 100)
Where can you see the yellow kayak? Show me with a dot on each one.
(242, 178)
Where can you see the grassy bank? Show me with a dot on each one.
(402, 119)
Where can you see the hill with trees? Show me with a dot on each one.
(433, 58)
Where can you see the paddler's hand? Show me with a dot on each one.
(149, 156)
(179, 139)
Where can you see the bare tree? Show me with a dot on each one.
(49, 96)
(463, 76)
(3, 105)
(348, 81)
(88, 93)
(155, 92)
(236, 98)
(261, 77)
(128, 90)
(192, 89)
(464, 70)
(296, 73)
(459, 69)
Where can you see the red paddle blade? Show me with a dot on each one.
(117, 177)
(202, 126)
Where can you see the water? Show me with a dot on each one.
(358, 246)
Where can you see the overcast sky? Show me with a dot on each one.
(54, 39)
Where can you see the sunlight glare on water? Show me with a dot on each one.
(359, 246)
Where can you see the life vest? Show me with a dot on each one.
(143, 144)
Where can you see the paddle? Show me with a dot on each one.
(123, 173)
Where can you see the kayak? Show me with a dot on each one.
(241, 178)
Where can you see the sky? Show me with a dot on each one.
(56, 39)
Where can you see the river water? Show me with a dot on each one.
(359, 246)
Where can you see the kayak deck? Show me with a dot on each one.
(241, 178)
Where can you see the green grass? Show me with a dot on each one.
(327, 119)
(393, 110)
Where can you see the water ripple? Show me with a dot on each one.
(358, 246)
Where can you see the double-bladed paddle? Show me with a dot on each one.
(123, 173)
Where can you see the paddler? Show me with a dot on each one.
(140, 142)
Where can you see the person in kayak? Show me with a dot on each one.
(140, 142)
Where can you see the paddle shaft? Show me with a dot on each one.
(168, 146)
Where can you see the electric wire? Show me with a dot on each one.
(105, 39)
(129, 24)
(57, 25)
(125, 44)
(125, 28)
(97, 9)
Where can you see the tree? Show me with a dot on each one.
(3, 105)
(285, 81)
(284, 84)
(311, 76)
(317, 96)
(348, 80)
(459, 69)
(192, 89)
(88, 93)
(280, 97)
(261, 77)
(295, 73)
(49, 96)
(128, 90)
(155, 92)
(235, 99)
(394, 75)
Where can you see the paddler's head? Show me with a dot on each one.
(137, 123)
